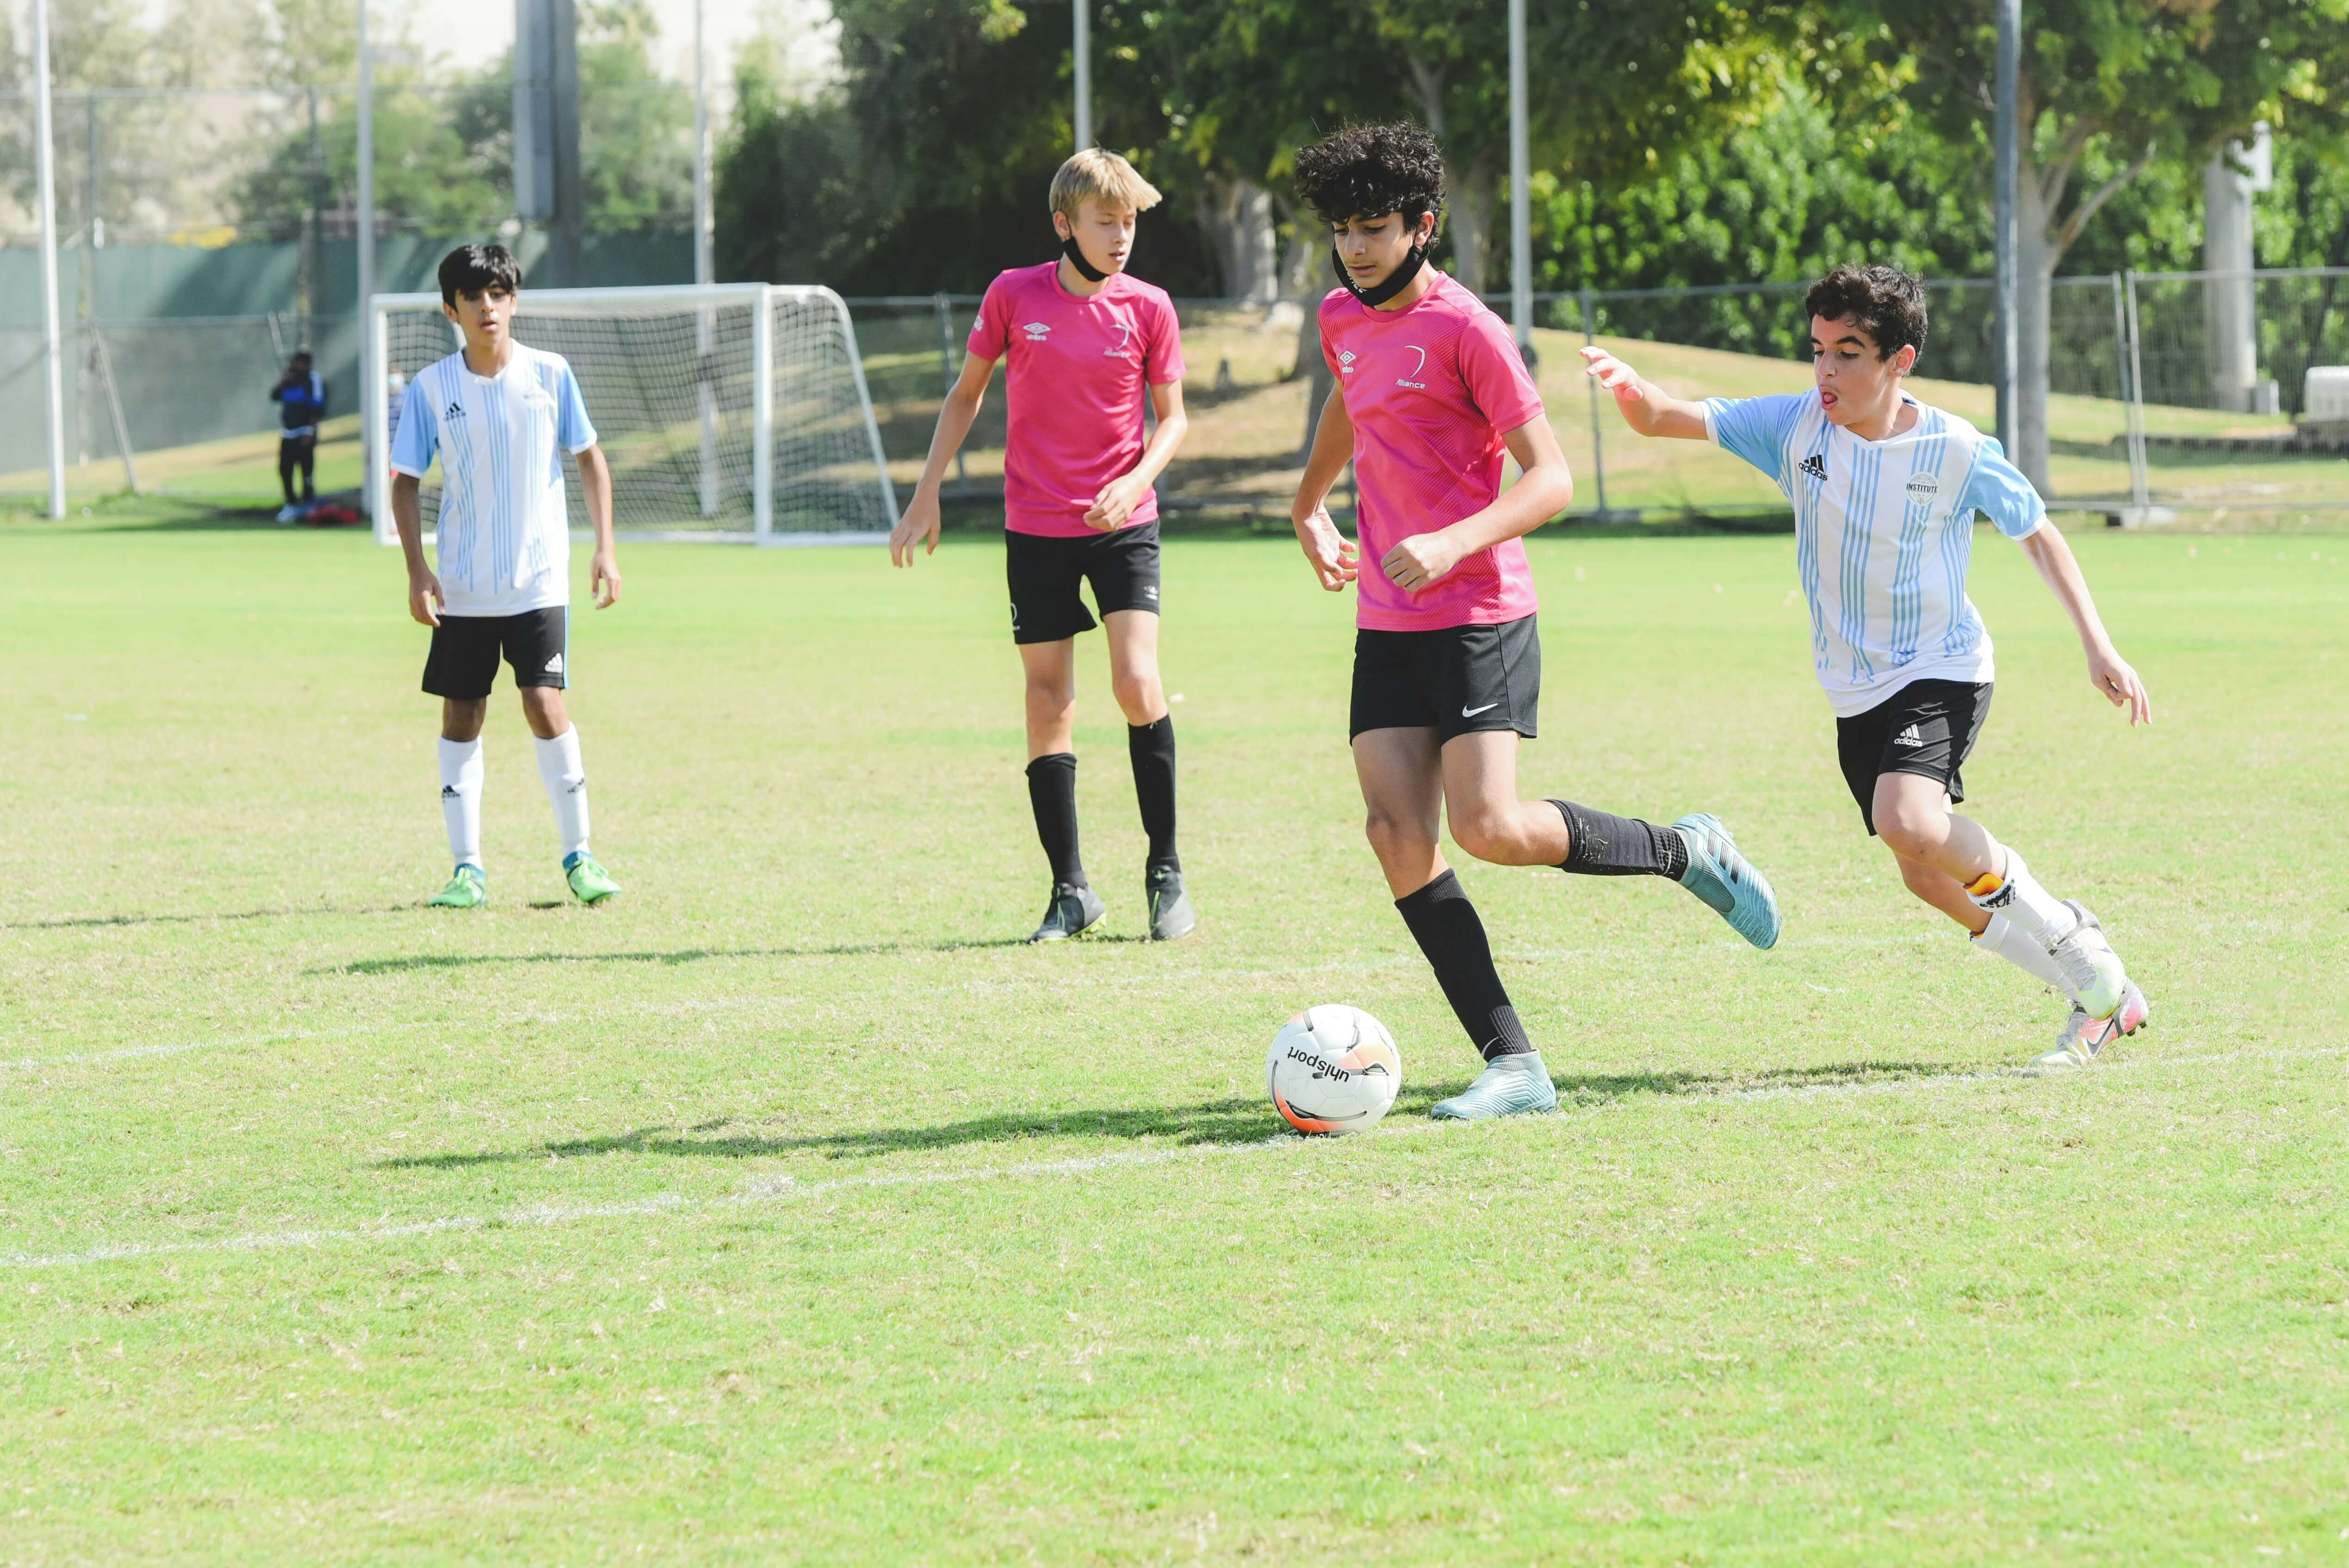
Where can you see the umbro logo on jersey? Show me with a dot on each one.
(554, 666)
(1410, 380)
(1037, 331)
(1909, 736)
(1815, 466)
(1345, 362)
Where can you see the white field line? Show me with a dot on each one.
(773, 1189)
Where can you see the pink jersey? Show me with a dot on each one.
(1430, 390)
(1079, 377)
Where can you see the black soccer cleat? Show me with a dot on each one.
(1073, 909)
(1171, 914)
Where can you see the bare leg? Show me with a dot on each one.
(1052, 669)
(1132, 664)
(1940, 851)
(1480, 797)
(461, 718)
(1402, 775)
(542, 711)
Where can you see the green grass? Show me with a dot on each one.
(785, 1210)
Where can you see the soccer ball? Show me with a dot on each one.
(1333, 1068)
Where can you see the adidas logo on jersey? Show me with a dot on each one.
(1815, 466)
(554, 666)
(456, 410)
(1909, 736)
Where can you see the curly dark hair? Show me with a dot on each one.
(1888, 303)
(1371, 171)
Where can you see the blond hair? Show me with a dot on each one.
(1102, 175)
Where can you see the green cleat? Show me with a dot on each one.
(467, 889)
(1509, 1085)
(1726, 880)
(590, 882)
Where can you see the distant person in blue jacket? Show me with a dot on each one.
(301, 396)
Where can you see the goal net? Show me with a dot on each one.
(731, 411)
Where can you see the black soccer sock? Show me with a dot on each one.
(1444, 924)
(1152, 747)
(1600, 844)
(1053, 794)
(309, 461)
(285, 459)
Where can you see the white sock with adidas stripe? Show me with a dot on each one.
(565, 778)
(461, 798)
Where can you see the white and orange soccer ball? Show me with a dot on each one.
(1333, 1068)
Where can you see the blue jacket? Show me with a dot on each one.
(304, 405)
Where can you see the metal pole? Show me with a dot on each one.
(371, 367)
(763, 417)
(705, 265)
(1083, 50)
(93, 234)
(2139, 492)
(1521, 184)
(2008, 149)
(1597, 445)
(45, 158)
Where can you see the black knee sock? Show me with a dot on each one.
(285, 470)
(1152, 747)
(1602, 845)
(1053, 794)
(309, 461)
(1445, 927)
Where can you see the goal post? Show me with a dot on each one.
(727, 411)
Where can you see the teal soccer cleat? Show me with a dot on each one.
(1509, 1085)
(466, 890)
(1727, 881)
(590, 882)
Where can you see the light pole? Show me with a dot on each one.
(371, 369)
(2007, 146)
(45, 157)
(1521, 183)
(705, 266)
(1083, 47)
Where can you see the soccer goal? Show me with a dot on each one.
(735, 411)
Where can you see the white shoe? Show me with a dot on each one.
(288, 512)
(2093, 975)
(2084, 1037)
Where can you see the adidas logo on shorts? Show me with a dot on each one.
(1909, 736)
(554, 666)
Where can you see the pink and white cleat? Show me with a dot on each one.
(2084, 1037)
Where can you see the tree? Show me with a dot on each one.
(2108, 90)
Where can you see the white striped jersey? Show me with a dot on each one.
(1883, 534)
(505, 527)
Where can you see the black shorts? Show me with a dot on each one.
(1455, 681)
(463, 663)
(1927, 727)
(1043, 574)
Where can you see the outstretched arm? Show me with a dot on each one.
(1645, 407)
(955, 418)
(2107, 670)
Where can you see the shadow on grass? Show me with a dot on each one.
(1215, 1121)
(689, 955)
(88, 921)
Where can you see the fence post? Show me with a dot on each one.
(1597, 446)
(2140, 495)
(947, 371)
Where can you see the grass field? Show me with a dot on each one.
(787, 1210)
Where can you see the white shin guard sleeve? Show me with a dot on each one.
(460, 798)
(2022, 900)
(565, 778)
(2020, 948)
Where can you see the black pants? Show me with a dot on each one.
(292, 452)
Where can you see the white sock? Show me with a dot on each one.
(2017, 895)
(2020, 948)
(461, 798)
(565, 778)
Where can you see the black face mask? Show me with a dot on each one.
(1076, 255)
(1397, 281)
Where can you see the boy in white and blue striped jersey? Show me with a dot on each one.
(1885, 490)
(499, 415)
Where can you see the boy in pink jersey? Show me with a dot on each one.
(1086, 344)
(1430, 396)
